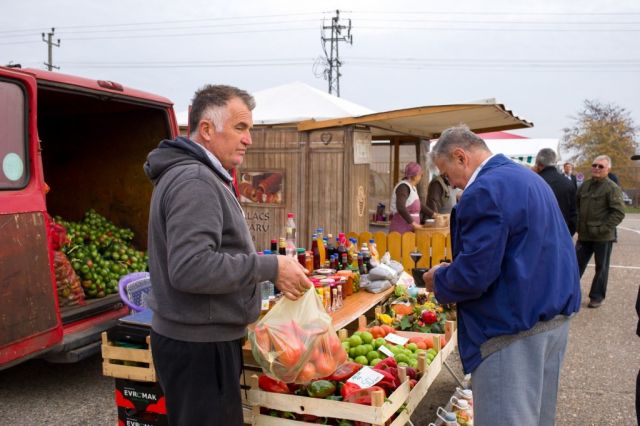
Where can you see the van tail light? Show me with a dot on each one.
(111, 85)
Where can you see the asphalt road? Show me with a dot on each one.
(597, 384)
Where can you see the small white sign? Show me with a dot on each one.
(395, 339)
(365, 377)
(361, 148)
(385, 351)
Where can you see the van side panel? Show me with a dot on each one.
(28, 308)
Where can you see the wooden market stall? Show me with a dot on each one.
(320, 169)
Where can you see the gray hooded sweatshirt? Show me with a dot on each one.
(203, 264)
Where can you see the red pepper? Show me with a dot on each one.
(344, 372)
(349, 388)
(268, 384)
(363, 396)
(386, 363)
(389, 382)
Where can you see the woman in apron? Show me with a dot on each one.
(405, 202)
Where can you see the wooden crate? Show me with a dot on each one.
(377, 414)
(127, 363)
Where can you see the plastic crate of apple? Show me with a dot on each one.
(100, 253)
(369, 347)
(421, 313)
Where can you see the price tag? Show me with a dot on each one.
(385, 351)
(395, 339)
(365, 377)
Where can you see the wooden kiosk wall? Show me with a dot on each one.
(322, 185)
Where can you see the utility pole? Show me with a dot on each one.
(332, 74)
(50, 44)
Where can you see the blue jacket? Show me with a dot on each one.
(514, 261)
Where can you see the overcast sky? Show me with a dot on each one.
(541, 59)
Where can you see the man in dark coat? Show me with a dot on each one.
(568, 174)
(563, 188)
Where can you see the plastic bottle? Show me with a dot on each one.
(291, 228)
(448, 418)
(274, 245)
(366, 257)
(291, 238)
(373, 248)
(316, 252)
(463, 411)
(321, 248)
(330, 247)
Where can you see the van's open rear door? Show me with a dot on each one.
(29, 318)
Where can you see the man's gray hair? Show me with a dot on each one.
(210, 102)
(604, 157)
(457, 137)
(546, 157)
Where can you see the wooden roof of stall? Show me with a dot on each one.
(428, 121)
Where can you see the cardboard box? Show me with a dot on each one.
(140, 403)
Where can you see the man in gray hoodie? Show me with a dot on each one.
(203, 264)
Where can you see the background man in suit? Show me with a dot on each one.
(568, 173)
(562, 188)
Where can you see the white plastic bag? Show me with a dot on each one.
(296, 342)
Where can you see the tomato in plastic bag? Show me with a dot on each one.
(296, 342)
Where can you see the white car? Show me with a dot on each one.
(625, 198)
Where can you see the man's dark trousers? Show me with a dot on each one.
(601, 250)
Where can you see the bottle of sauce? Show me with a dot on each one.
(321, 248)
(315, 250)
(302, 257)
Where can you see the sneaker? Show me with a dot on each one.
(595, 303)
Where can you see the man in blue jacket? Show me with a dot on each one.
(514, 277)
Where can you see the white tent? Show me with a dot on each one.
(523, 150)
(295, 102)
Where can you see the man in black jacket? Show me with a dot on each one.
(563, 188)
(568, 173)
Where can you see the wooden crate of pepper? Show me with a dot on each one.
(401, 402)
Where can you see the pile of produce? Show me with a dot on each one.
(421, 313)
(368, 347)
(297, 353)
(100, 253)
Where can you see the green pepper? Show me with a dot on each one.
(334, 397)
(321, 388)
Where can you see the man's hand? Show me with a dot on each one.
(292, 280)
(429, 276)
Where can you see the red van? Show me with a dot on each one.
(67, 145)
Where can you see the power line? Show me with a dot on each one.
(187, 34)
(173, 21)
(166, 29)
(516, 13)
